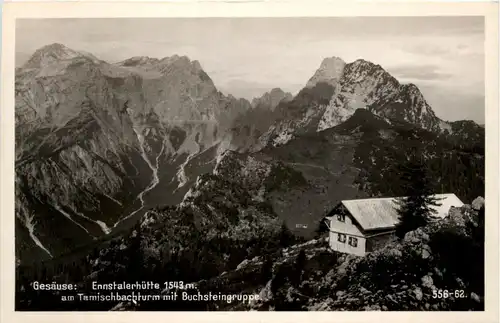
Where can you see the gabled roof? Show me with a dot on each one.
(380, 213)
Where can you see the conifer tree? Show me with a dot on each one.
(135, 255)
(266, 272)
(285, 236)
(299, 267)
(415, 208)
(321, 229)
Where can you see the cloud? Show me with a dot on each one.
(447, 47)
(425, 49)
(421, 72)
(452, 106)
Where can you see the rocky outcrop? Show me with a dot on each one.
(478, 203)
(410, 107)
(298, 116)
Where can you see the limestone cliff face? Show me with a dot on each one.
(357, 85)
(369, 86)
(299, 115)
(330, 72)
(249, 126)
(75, 149)
(177, 90)
(94, 139)
(362, 84)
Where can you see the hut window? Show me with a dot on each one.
(341, 237)
(353, 241)
(341, 217)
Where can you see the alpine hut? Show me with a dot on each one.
(363, 225)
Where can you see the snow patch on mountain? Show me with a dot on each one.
(154, 168)
(182, 178)
(191, 147)
(58, 208)
(112, 199)
(104, 227)
(29, 222)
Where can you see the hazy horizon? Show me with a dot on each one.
(246, 57)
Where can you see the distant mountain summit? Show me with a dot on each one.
(165, 66)
(369, 86)
(330, 72)
(337, 90)
(250, 125)
(271, 99)
(55, 53)
(139, 61)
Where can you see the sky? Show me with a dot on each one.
(443, 56)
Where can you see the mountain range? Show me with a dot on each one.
(101, 147)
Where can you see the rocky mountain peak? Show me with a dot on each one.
(330, 71)
(409, 105)
(272, 98)
(363, 62)
(166, 64)
(413, 92)
(54, 53)
(360, 84)
(181, 62)
(412, 88)
(362, 70)
(139, 61)
(278, 91)
(196, 65)
(329, 62)
(363, 84)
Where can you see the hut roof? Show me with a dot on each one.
(381, 213)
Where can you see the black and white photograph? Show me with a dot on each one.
(250, 164)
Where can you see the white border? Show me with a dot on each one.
(14, 10)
